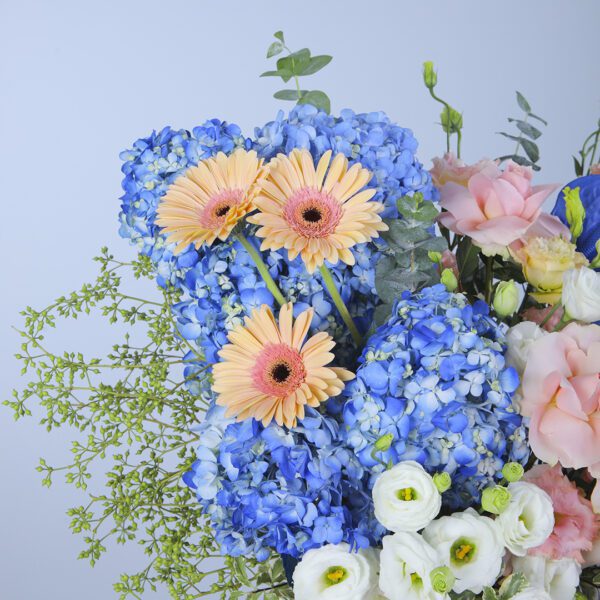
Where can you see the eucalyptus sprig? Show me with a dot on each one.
(587, 154)
(129, 415)
(525, 140)
(450, 119)
(406, 264)
(293, 66)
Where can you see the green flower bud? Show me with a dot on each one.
(495, 499)
(442, 481)
(452, 121)
(512, 471)
(575, 212)
(442, 580)
(435, 257)
(506, 298)
(595, 264)
(448, 278)
(384, 442)
(429, 75)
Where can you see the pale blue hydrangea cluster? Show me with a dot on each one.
(434, 377)
(270, 488)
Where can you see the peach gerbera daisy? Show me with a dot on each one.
(208, 200)
(269, 372)
(317, 213)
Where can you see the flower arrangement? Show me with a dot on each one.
(360, 380)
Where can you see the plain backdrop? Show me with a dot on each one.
(80, 80)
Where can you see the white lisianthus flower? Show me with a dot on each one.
(532, 594)
(406, 498)
(581, 294)
(333, 572)
(559, 578)
(519, 339)
(406, 562)
(471, 546)
(528, 520)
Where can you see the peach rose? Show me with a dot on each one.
(494, 210)
(449, 168)
(561, 394)
(595, 169)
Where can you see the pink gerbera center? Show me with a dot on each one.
(215, 212)
(279, 370)
(312, 213)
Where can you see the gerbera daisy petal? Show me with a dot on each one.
(316, 212)
(207, 201)
(264, 374)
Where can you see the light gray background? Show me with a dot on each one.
(80, 80)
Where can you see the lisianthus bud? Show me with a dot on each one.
(448, 278)
(429, 75)
(435, 257)
(506, 298)
(442, 481)
(384, 442)
(512, 471)
(495, 499)
(442, 580)
(575, 212)
(452, 120)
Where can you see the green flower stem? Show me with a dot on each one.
(447, 108)
(339, 303)
(458, 141)
(489, 277)
(550, 313)
(262, 269)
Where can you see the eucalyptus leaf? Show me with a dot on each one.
(531, 150)
(279, 36)
(489, 594)
(316, 63)
(318, 99)
(523, 103)
(274, 49)
(532, 116)
(527, 128)
(289, 94)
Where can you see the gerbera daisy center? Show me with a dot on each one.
(214, 214)
(279, 370)
(312, 213)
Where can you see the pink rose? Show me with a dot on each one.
(494, 210)
(595, 169)
(561, 394)
(450, 168)
(575, 524)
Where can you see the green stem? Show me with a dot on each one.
(489, 277)
(339, 303)
(262, 269)
(549, 314)
(447, 106)
(458, 141)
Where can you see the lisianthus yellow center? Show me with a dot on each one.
(335, 575)
(462, 551)
(407, 494)
(416, 580)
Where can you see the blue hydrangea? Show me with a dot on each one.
(434, 377)
(221, 284)
(149, 167)
(269, 488)
(380, 145)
